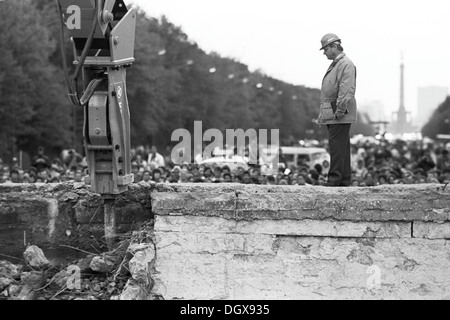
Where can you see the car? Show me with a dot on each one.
(311, 156)
(294, 155)
(233, 162)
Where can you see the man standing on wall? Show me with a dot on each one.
(338, 109)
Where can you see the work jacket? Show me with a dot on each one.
(337, 99)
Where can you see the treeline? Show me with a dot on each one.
(34, 109)
(439, 122)
(172, 84)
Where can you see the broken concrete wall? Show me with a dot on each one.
(257, 242)
(55, 216)
(249, 242)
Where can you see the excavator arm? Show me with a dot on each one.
(103, 37)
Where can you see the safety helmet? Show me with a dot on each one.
(328, 39)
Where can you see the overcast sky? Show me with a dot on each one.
(282, 38)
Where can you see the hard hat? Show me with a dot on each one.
(328, 39)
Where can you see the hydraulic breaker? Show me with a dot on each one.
(103, 38)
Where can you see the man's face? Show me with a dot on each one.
(78, 177)
(330, 52)
(147, 176)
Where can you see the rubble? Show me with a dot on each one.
(11, 291)
(134, 291)
(85, 264)
(139, 265)
(103, 264)
(5, 282)
(35, 257)
(121, 274)
(31, 282)
(60, 280)
(7, 269)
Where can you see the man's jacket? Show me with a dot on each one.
(337, 101)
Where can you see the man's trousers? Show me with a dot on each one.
(340, 165)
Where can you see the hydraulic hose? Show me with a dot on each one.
(72, 85)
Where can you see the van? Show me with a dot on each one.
(309, 156)
(233, 162)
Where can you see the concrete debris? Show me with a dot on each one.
(134, 291)
(122, 274)
(136, 247)
(60, 279)
(11, 291)
(139, 265)
(31, 281)
(5, 282)
(85, 264)
(8, 269)
(35, 257)
(102, 264)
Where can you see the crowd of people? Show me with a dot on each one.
(373, 163)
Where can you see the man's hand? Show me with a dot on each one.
(339, 115)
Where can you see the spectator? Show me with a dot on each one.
(227, 177)
(445, 177)
(369, 180)
(360, 170)
(140, 161)
(155, 159)
(15, 164)
(43, 177)
(146, 177)
(175, 175)
(217, 174)
(432, 177)
(426, 163)
(41, 161)
(443, 160)
(15, 176)
(301, 181)
(78, 176)
(207, 173)
(246, 177)
(156, 175)
(26, 178)
(318, 167)
(54, 172)
(135, 171)
(71, 159)
(382, 179)
(271, 180)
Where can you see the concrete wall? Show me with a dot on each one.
(57, 216)
(256, 242)
(238, 242)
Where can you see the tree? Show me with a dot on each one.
(31, 104)
(439, 122)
